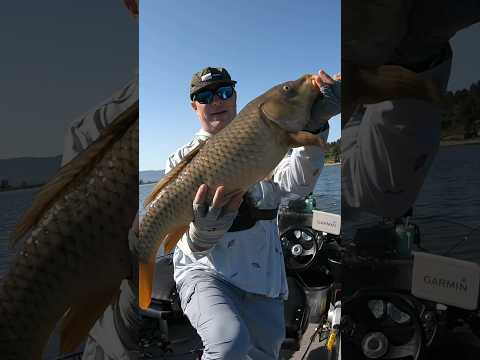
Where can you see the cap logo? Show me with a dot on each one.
(206, 77)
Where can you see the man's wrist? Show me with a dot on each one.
(200, 241)
(323, 127)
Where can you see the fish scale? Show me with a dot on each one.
(76, 254)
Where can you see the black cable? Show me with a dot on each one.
(311, 342)
(319, 340)
(323, 339)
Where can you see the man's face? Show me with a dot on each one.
(216, 115)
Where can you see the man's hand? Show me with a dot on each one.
(329, 104)
(323, 79)
(210, 223)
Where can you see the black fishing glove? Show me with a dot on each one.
(210, 223)
(209, 226)
(325, 107)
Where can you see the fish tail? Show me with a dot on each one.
(164, 224)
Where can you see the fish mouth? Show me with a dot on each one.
(312, 82)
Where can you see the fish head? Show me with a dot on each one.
(289, 104)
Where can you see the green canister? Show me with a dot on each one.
(405, 238)
(310, 204)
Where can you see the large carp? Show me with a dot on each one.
(73, 251)
(243, 153)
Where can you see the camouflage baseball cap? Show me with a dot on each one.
(209, 77)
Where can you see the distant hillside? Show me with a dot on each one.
(151, 175)
(333, 153)
(461, 117)
(27, 171)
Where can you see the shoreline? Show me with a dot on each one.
(459, 142)
(20, 188)
(149, 182)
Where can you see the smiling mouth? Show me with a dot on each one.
(219, 112)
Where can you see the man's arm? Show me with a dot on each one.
(298, 172)
(87, 128)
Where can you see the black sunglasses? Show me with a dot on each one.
(206, 96)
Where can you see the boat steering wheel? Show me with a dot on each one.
(381, 327)
(300, 246)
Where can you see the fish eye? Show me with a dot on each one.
(288, 89)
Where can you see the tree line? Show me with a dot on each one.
(461, 117)
(333, 153)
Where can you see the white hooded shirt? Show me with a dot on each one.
(252, 259)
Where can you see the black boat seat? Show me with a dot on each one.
(296, 315)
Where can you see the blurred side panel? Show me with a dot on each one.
(68, 162)
(410, 178)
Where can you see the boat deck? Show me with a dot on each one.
(184, 338)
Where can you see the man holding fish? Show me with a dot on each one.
(229, 267)
(244, 312)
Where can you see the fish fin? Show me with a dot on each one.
(172, 174)
(173, 237)
(388, 82)
(80, 318)
(146, 270)
(77, 168)
(145, 283)
(303, 138)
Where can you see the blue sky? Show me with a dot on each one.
(261, 44)
(64, 60)
(59, 61)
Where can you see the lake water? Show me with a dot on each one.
(327, 190)
(447, 209)
(12, 205)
